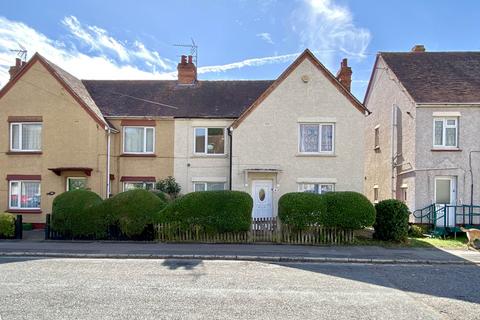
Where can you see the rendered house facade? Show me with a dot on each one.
(421, 138)
(297, 133)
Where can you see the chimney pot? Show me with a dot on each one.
(18, 62)
(187, 72)
(190, 59)
(183, 60)
(418, 48)
(344, 75)
(14, 70)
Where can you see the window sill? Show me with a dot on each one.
(24, 152)
(35, 211)
(315, 155)
(446, 149)
(209, 156)
(141, 155)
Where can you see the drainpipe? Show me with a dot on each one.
(230, 134)
(393, 148)
(107, 193)
(471, 174)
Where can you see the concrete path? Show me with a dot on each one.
(257, 252)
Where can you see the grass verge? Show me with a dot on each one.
(460, 242)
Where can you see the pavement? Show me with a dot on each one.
(246, 252)
(59, 288)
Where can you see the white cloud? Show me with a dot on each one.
(107, 58)
(326, 27)
(265, 36)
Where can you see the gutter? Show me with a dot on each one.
(230, 134)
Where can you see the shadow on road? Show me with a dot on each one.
(182, 264)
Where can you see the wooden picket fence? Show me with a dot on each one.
(263, 230)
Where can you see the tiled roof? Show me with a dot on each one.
(212, 99)
(437, 77)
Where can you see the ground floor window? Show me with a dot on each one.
(316, 187)
(75, 183)
(138, 185)
(208, 186)
(24, 195)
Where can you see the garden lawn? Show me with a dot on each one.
(450, 243)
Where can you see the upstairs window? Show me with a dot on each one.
(25, 137)
(445, 132)
(138, 139)
(316, 138)
(209, 141)
(377, 138)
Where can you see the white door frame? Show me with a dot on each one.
(453, 199)
(264, 181)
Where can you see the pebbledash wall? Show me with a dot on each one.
(70, 138)
(266, 142)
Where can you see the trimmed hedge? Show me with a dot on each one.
(391, 223)
(132, 211)
(347, 210)
(212, 211)
(162, 195)
(7, 225)
(74, 214)
(300, 209)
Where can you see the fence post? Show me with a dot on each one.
(47, 227)
(19, 227)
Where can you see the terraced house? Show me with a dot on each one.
(300, 132)
(422, 143)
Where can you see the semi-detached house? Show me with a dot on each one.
(300, 132)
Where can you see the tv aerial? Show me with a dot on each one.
(193, 50)
(22, 52)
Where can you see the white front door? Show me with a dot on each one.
(445, 194)
(262, 198)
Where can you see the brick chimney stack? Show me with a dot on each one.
(14, 70)
(187, 71)
(418, 48)
(344, 75)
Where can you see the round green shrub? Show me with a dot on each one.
(391, 223)
(162, 195)
(72, 214)
(132, 211)
(7, 225)
(300, 209)
(212, 211)
(347, 210)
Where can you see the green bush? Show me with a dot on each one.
(7, 225)
(300, 209)
(73, 214)
(417, 231)
(347, 210)
(391, 223)
(212, 211)
(169, 186)
(132, 211)
(162, 195)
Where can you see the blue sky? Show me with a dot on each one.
(241, 39)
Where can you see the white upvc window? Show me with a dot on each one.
(208, 186)
(132, 185)
(316, 138)
(24, 195)
(316, 187)
(375, 194)
(138, 140)
(25, 136)
(445, 132)
(209, 141)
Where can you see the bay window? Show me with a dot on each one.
(138, 139)
(316, 138)
(445, 132)
(208, 186)
(209, 141)
(316, 187)
(25, 136)
(24, 195)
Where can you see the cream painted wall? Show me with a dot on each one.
(70, 138)
(268, 137)
(189, 166)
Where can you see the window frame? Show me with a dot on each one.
(205, 153)
(375, 194)
(143, 182)
(205, 183)
(445, 126)
(19, 207)
(319, 124)
(145, 128)
(376, 141)
(320, 184)
(20, 133)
